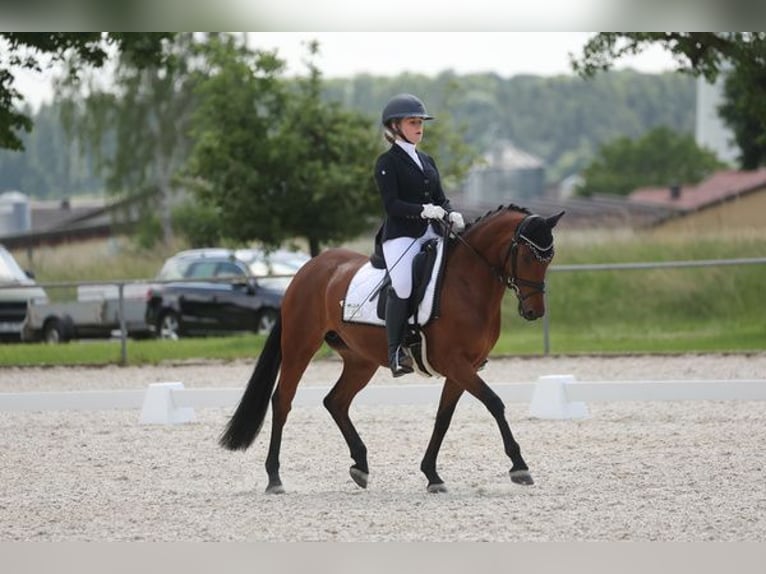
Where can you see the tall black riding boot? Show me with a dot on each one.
(396, 323)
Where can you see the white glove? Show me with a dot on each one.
(457, 220)
(431, 211)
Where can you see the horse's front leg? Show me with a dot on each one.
(478, 388)
(451, 393)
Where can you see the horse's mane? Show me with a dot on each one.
(510, 207)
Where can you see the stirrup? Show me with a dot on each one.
(401, 363)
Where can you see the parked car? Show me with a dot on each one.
(95, 314)
(215, 291)
(17, 290)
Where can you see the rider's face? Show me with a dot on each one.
(412, 129)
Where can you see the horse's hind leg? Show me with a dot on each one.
(296, 357)
(356, 373)
(451, 393)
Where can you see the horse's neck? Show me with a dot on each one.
(489, 245)
(493, 238)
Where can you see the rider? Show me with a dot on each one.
(412, 194)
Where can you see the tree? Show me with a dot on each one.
(697, 53)
(276, 160)
(33, 50)
(744, 112)
(662, 157)
(740, 55)
(138, 126)
(444, 140)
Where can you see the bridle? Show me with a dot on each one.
(511, 280)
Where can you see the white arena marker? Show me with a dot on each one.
(550, 399)
(160, 409)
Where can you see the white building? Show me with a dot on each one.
(710, 131)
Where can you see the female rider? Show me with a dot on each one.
(410, 186)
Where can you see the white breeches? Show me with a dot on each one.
(399, 253)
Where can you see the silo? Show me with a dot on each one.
(508, 173)
(15, 215)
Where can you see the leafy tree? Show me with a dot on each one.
(235, 167)
(445, 140)
(199, 224)
(276, 160)
(33, 50)
(698, 53)
(744, 112)
(562, 120)
(661, 157)
(49, 166)
(708, 54)
(137, 127)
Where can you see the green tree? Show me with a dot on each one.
(744, 112)
(698, 53)
(34, 50)
(138, 126)
(445, 140)
(707, 54)
(235, 167)
(49, 167)
(562, 120)
(662, 157)
(276, 160)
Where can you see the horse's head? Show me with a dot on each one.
(521, 265)
(530, 253)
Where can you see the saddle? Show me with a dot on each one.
(422, 269)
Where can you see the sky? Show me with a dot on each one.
(345, 54)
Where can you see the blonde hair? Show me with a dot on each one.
(389, 133)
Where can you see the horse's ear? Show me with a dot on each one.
(553, 219)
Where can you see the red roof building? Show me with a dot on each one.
(726, 200)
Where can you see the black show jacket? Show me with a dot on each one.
(404, 188)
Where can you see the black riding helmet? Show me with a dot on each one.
(404, 106)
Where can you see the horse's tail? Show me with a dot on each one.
(246, 423)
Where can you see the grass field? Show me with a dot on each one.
(715, 309)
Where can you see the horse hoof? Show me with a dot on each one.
(359, 476)
(521, 477)
(436, 487)
(275, 489)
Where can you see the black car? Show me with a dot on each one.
(216, 291)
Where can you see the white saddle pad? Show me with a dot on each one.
(361, 302)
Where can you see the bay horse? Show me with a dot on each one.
(509, 248)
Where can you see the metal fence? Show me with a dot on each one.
(638, 266)
(122, 285)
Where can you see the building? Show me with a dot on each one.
(709, 129)
(507, 174)
(28, 224)
(727, 200)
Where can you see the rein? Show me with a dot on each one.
(511, 280)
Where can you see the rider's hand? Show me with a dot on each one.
(457, 221)
(431, 211)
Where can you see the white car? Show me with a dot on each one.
(17, 290)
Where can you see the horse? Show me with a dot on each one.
(508, 248)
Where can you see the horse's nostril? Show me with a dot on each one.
(530, 315)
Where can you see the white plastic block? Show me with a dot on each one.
(158, 406)
(550, 400)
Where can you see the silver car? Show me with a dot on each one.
(17, 290)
